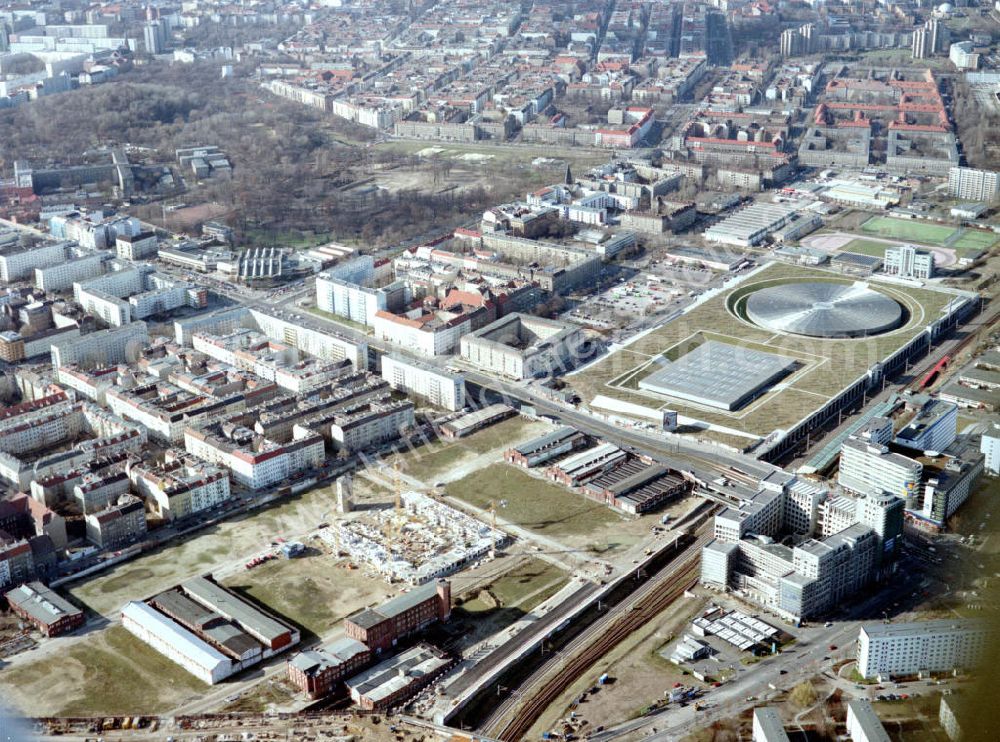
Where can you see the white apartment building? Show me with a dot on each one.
(359, 270)
(907, 261)
(92, 385)
(863, 724)
(147, 293)
(136, 247)
(428, 334)
(871, 469)
(18, 261)
(262, 465)
(64, 274)
(990, 448)
(901, 649)
(181, 488)
(103, 348)
(969, 184)
(440, 388)
(964, 56)
(355, 302)
(374, 424)
(767, 725)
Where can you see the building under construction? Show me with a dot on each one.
(421, 540)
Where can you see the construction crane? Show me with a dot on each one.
(397, 482)
(493, 525)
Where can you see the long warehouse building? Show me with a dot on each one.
(176, 643)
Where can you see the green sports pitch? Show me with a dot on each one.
(908, 230)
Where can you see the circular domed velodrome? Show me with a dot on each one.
(824, 310)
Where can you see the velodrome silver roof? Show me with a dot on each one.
(719, 375)
(825, 310)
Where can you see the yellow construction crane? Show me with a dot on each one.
(397, 481)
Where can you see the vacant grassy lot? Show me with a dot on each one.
(109, 673)
(524, 587)
(440, 458)
(315, 591)
(348, 323)
(548, 509)
(912, 230)
(235, 540)
(271, 694)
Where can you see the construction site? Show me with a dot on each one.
(418, 540)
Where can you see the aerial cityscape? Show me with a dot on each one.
(493, 371)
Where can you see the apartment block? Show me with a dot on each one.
(117, 525)
(439, 388)
(888, 650)
(969, 184)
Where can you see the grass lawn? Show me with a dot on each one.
(973, 239)
(349, 323)
(533, 503)
(314, 591)
(525, 587)
(866, 247)
(434, 461)
(505, 434)
(914, 230)
(110, 673)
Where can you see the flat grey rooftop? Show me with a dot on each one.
(719, 375)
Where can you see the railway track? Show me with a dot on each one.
(513, 719)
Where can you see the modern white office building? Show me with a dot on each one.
(440, 388)
(934, 427)
(871, 469)
(907, 261)
(901, 649)
(969, 184)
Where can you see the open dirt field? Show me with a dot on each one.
(315, 591)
